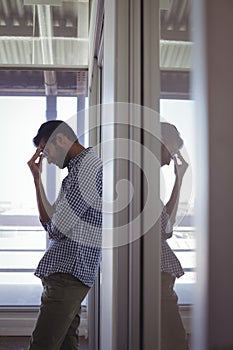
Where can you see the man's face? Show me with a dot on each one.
(168, 154)
(53, 153)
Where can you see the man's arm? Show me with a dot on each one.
(44, 207)
(172, 204)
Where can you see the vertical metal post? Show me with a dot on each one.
(151, 238)
(81, 118)
(51, 114)
(93, 295)
(130, 311)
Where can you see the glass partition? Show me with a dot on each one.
(183, 242)
(22, 238)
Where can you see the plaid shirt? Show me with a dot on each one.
(169, 262)
(75, 229)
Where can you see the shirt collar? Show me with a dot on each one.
(77, 159)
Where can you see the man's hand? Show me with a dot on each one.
(180, 166)
(35, 164)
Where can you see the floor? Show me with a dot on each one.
(21, 343)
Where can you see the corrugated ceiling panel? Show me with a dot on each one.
(68, 52)
(176, 55)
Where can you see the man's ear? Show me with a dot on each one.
(61, 139)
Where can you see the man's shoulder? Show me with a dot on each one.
(91, 160)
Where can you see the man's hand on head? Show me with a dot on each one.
(180, 166)
(35, 163)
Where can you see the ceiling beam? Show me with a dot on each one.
(43, 2)
(46, 34)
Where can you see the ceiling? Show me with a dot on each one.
(175, 21)
(48, 37)
(44, 35)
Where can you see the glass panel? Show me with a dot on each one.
(23, 238)
(67, 110)
(20, 289)
(20, 260)
(20, 118)
(183, 242)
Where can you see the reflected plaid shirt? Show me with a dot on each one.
(75, 229)
(169, 261)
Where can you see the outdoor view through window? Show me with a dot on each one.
(22, 239)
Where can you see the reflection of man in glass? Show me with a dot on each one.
(173, 332)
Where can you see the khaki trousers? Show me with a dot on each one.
(59, 316)
(173, 335)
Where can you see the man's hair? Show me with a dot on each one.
(170, 135)
(51, 128)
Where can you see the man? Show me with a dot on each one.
(173, 333)
(74, 225)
